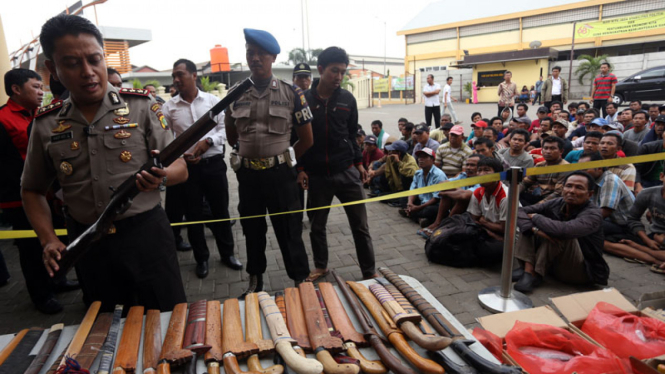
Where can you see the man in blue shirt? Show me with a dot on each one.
(424, 207)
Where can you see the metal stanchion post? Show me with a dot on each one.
(499, 299)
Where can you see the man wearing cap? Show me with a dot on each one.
(333, 167)
(260, 123)
(650, 172)
(542, 112)
(371, 152)
(560, 127)
(450, 157)
(432, 102)
(302, 76)
(477, 131)
(397, 171)
(421, 134)
(423, 207)
(595, 125)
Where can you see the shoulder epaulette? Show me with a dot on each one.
(49, 108)
(134, 91)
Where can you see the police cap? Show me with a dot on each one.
(263, 39)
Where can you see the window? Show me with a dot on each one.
(631, 6)
(490, 78)
(653, 74)
(431, 36)
(491, 27)
(566, 16)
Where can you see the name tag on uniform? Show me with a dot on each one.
(63, 136)
(238, 104)
(279, 103)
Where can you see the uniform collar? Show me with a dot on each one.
(16, 107)
(112, 101)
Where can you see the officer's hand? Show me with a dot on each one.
(303, 180)
(51, 256)
(200, 148)
(191, 159)
(150, 181)
(363, 172)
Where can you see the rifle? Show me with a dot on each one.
(123, 195)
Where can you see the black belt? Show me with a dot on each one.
(119, 225)
(210, 160)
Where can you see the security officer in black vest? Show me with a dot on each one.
(260, 122)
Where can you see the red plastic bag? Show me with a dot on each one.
(489, 341)
(625, 334)
(544, 349)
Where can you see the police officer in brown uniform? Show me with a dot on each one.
(91, 143)
(260, 121)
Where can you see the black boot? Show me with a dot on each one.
(255, 285)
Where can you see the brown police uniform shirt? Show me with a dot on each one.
(87, 159)
(264, 120)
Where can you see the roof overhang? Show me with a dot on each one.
(489, 58)
(133, 37)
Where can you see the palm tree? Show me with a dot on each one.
(208, 85)
(310, 57)
(347, 84)
(589, 66)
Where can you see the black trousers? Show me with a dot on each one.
(175, 206)
(207, 179)
(273, 190)
(137, 265)
(346, 186)
(37, 280)
(433, 110)
(600, 105)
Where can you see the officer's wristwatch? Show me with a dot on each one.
(210, 141)
(535, 230)
(162, 186)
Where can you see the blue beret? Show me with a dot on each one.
(263, 39)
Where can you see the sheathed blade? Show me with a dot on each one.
(108, 349)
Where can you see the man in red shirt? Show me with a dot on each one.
(25, 90)
(603, 88)
(371, 152)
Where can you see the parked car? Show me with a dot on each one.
(646, 85)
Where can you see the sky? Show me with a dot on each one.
(190, 28)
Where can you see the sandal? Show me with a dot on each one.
(656, 269)
(634, 261)
(425, 233)
(315, 275)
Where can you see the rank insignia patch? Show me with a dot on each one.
(75, 145)
(122, 134)
(121, 120)
(155, 107)
(122, 111)
(62, 127)
(115, 99)
(125, 156)
(66, 168)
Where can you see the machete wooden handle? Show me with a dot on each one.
(231, 365)
(367, 366)
(254, 364)
(423, 365)
(429, 342)
(296, 359)
(330, 366)
(164, 368)
(392, 306)
(213, 367)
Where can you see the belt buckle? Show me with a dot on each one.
(259, 164)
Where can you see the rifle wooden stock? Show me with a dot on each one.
(405, 304)
(123, 194)
(394, 335)
(172, 352)
(282, 339)
(128, 350)
(253, 334)
(343, 324)
(295, 318)
(392, 362)
(233, 345)
(407, 322)
(152, 341)
(214, 337)
(82, 332)
(9, 348)
(443, 327)
(45, 352)
(95, 340)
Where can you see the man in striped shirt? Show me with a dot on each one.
(610, 145)
(603, 88)
(450, 156)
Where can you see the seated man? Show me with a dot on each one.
(441, 134)
(450, 156)
(421, 136)
(485, 147)
(591, 144)
(456, 201)
(543, 187)
(493, 135)
(396, 171)
(371, 152)
(424, 207)
(559, 128)
(564, 236)
(595, 125)
(649, 247)
(515, 155)
(649, 172)
(407, 135)
(489, 208)
(610, 145)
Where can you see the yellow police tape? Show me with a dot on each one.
(22, 234)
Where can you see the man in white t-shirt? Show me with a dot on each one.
(448, 100)
(431, 92)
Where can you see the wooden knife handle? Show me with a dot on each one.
(429, 342)
(213, 367)
(375, 309)
(254, 364)
(164, 368)
(295, 358)
(367, 366)
(423, 365)
(392, 306)
(406, 305)
(330, 366)
(231, 364)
